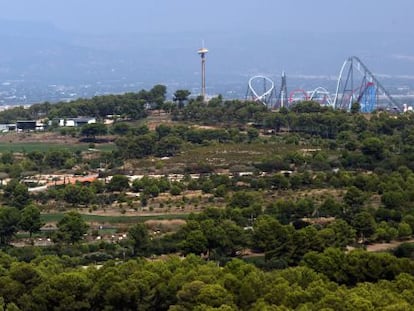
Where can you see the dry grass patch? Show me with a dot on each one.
(165, 226)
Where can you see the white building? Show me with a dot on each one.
(75, 122)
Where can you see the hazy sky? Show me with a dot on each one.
(110, 16)
(293, 34)
(156, 40)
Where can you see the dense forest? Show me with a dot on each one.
(51, 283)
(277, 208)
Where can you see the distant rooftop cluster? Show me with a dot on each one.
(39, 125)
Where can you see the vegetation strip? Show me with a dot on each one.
(114, 219)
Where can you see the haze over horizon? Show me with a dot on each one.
(142, 43)
(129, 16)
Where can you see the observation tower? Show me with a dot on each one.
(202, 52)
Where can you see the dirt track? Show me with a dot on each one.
(379, 247)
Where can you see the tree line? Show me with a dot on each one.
(128, 105)
(51, 283)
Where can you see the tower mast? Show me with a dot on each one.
(202, 52)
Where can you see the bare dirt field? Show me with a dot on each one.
(165, 225)
(380, 247)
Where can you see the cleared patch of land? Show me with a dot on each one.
(381, 247)
(55, 217)
(27, 142)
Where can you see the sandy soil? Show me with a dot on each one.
(378, 247)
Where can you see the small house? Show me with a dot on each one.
(76, 122)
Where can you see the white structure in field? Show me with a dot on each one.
(202, 52)
(74, 122)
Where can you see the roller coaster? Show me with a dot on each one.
(356, 83)
(266, 93)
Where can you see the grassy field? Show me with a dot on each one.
(220, 156)
(233, 154)
(37, 146)
(114, 219)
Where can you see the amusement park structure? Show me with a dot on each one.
(260, 89)
(282, 99)
(356, 83)
(202, 52)
(321, 95)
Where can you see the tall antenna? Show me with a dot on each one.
(202, 52)
(282, 100)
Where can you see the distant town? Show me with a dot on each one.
(25, 93)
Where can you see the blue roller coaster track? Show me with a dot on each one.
(356, 83)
